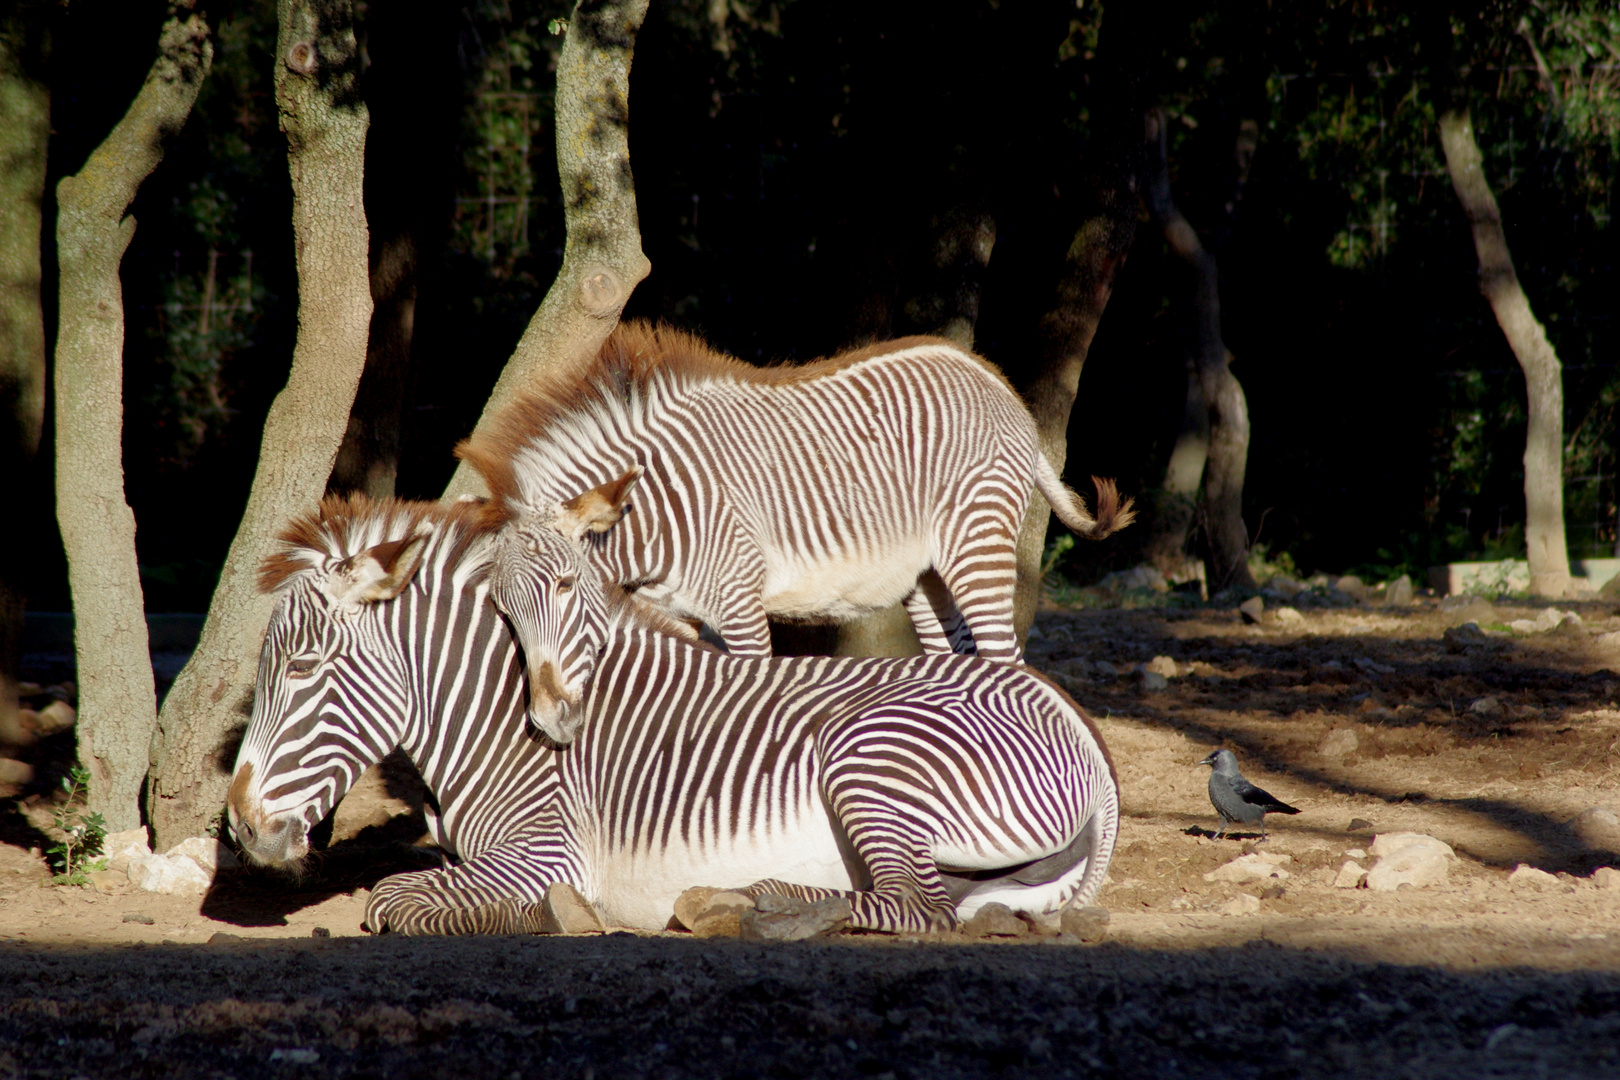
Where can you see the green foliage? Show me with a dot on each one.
(1263, 565)
(75, 856)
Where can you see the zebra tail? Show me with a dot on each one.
(1112, 515)
(1104, 826)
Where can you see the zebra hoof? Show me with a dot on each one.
(787, 918)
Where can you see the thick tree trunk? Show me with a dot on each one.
(1223, 429)
(1543, 375)
(369, 458)
(116, 695)
(947, 305)
(325, 121)
(25, 128)
(602, 259)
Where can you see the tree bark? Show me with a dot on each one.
(325, 120)
(1543, 374)
(25, 128)
(602, 259)
(1216, 420)
(116, 695)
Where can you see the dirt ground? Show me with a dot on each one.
(1494, 750)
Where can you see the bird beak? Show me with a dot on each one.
(1208, 761)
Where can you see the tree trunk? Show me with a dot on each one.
(948, 306)
(1223, 428)
(325, 121)
(25, 128)
(116, 694)
(1543, 375)
(602, 259)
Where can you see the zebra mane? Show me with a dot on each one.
(591, 411)
(345, 526)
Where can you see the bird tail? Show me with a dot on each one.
(1112, 515)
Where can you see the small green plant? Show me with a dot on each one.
(75, 856)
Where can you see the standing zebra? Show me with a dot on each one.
(920, 788)
(824, 491)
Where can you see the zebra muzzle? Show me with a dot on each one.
(550, 704)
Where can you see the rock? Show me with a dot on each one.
(1357, 824)
(1356, 853)
(121, 848)
(1162, 665)
(319, 932)
(565, 911)
(138, 917)
(56, 717)
(1339, 742)
(1606, 877)
(1353, 587)
(1246, 868)
(1087, 923)
(1369, 666)
(787, 918)
(1611, 640)
(1414, 859)
(1045, 923)
(1528, 877)
(1399, 592)
(1350, 875)
(108, 881)
(994, 920)
(19, 729)
(690, 902)
(210, 854)
(1547, 620)
(170, 875)
(1285, 586)
(15, 773)
(721, 915)
(295, 1055)
(1598, 827)
(1151, 680)
(1288, 617)
(1610, 590)
(1485, 706)
(1457, 610)
(1241, 904)
(1251, 609)
(1105, 669)
(1137, 577)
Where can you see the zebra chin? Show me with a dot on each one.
(279, 840)
(557, 720)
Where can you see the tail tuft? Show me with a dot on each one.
(1112, 514)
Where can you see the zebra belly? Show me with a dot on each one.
(844, 584)
(639, 889)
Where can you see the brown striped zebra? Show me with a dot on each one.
(919, 789)
(826, 491)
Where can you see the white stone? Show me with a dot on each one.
(1241, 904)
(171, 875)
(1606, 877)
(1162, 665)
(1389, 843)
(1528, 877)
(1339, 743)
(1416, 865)
(121, 848)
(1545, 621)
(1598, 827)
(1287, 616)
(207, 852)
(1611, 640)
(1350, 875)
(1355, 853)
(1246, 868)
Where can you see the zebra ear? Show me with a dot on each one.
(379, 573)
(599, 509)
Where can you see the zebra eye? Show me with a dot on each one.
(303, 665)
(565, 584)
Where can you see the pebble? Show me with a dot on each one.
(1485, 706)
(15, 773)
(1339, 742)
(56, 717)
(1399, 592)
(1241, 904)
(296, 1055)
(787, 918)
(1353, 587)
(995, 920)
(1411, 859)
(1087, 923)
(1606, 877)
(1288, 617)
(1468, 637)
(1151, 680)
(1528, 877)
(1162, 665)
(169, 875)
(1357, 824)
(565, 911)
(1104, 668)
(108, 881)
(1251, 609)
(1255, 867)
(138, 917)
(1350, 875)
(1460, 610)
(1611, 640)
(1597, 827)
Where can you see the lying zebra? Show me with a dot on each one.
(920, 789)
(824, 491)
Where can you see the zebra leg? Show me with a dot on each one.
(742, 621)
(500, 892)
(980, 580)
(907, 893)
(939, 625)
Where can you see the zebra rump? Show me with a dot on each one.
(918, 788)
(820, 492)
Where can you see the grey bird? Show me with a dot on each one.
(1237, 800)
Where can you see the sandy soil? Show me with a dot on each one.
(1493, 752)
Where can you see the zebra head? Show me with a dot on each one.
(556, 601)
(330, 697)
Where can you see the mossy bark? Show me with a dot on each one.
(325, 120)
(116, 696)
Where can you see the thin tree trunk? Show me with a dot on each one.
(1224, 431)
(1543, 375)
(325, 120)
(947, 306)
(369, 458)
(116, 695)
(602, 259)
(25, 128)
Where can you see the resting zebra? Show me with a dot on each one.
(919, 788)
(824, 491)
